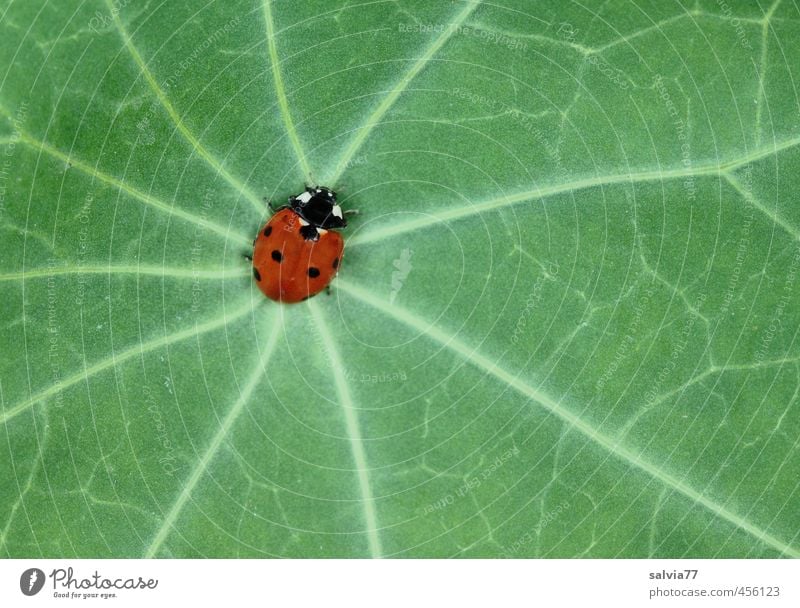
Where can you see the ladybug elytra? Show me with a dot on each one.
(298, 251)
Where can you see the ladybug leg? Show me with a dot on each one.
(273, 207)
(328, 289)
(247, 256)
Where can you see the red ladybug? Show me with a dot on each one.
(297, 252)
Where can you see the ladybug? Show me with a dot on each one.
(297, 252)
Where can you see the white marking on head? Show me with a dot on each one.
(322, 231)
(337, 211)
(303, 222)
(305, 197)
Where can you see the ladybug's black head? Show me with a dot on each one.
(318, 207)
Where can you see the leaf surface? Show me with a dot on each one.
(565, 325)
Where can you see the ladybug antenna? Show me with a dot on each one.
(270, 204)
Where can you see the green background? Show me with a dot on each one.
(566, 322)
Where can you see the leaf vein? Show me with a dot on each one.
(159, 271)
(280, 89)
(612, 446)
(761, 72)
(378, 113)
(353, 432)
(766, 211)
(131, 191)
(117, 358)
(200, 468)
(722, 169)
(175, 117)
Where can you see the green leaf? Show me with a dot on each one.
(566, 323)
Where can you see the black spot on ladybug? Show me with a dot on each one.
(336, 262)
(309, 233)
(256, 274)
(313, 272)
(276, 255)
(267, 230)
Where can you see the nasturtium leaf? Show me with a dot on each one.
(565, 325)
